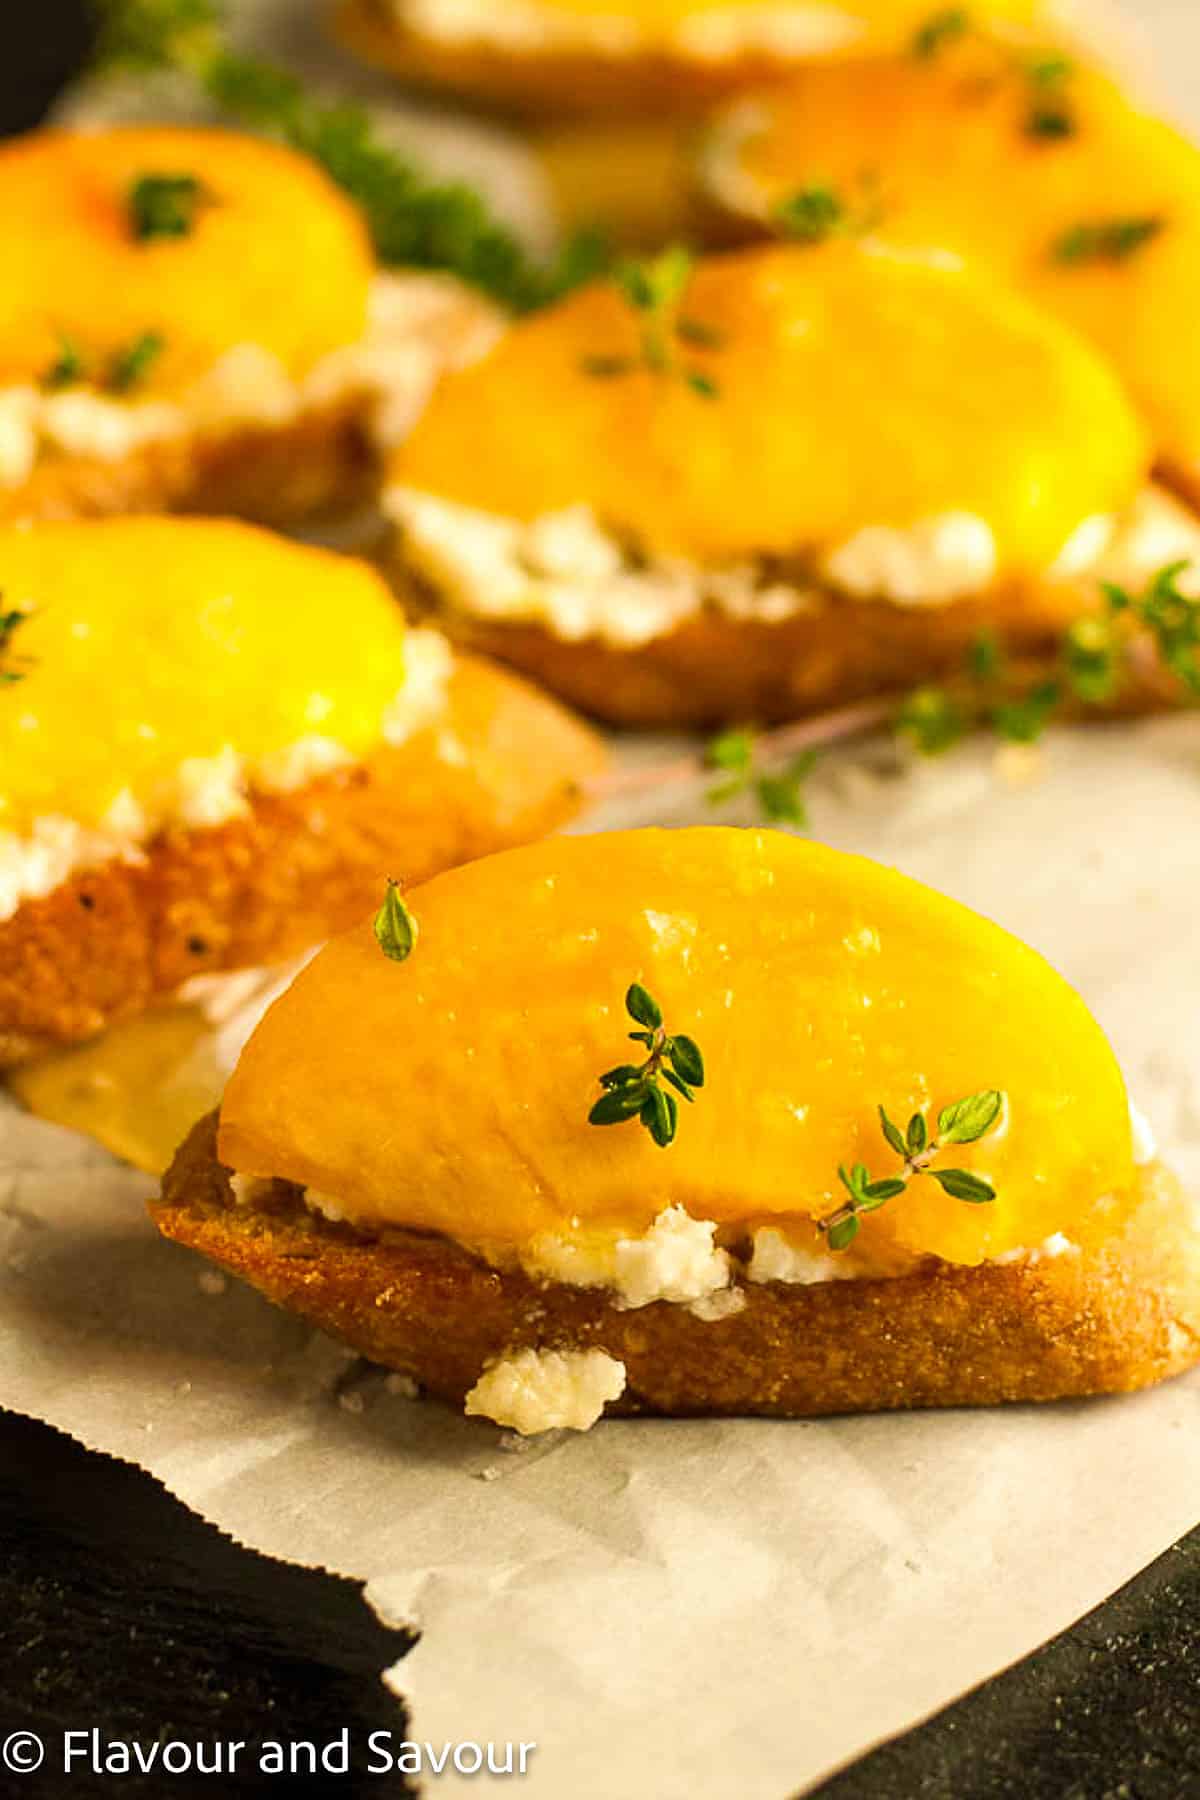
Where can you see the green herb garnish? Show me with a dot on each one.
(395, 927)
(1094, 664)
(1106, 240)
(1049, 115)
(779, 791)
(12, 668)
(68, 368)
(129, 366)
(413, 221)
(635, 1090)
(963, 1122)
(654, 289)
(165, 206)
(819, 211)
(940, 29)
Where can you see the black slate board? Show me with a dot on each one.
(121, 1610)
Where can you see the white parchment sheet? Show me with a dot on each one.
(679, 1609)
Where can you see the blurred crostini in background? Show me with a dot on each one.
(776, 481)
(1030, 166)
(193, 319)
(215, 748)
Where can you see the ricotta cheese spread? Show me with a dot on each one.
(566, 571)
(547, 1390)
(207, 792)
(675, 1260)
(708, 34)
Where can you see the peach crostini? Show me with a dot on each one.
(193, 320)
(1031, 166)
(836, 1170)
(213, 745)
(627, 56)
(773, 482)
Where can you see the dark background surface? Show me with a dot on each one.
(120, 1609)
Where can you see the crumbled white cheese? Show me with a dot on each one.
(675, 1260)
(247, 1190)
(1156, 530)
(713, 33)
(564, 569)
(547, 1390)
(326, 1205)
(418, 326)
(209, 791)
(927, 564)
(775, 1258)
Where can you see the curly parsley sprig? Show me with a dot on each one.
(963, 1122)
(636, 1090)
(414, 221)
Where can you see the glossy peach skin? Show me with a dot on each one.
(853, 389)
(958, 171)
(817, 985)
(656, 73)
(74, 266)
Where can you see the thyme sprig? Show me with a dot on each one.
(963, 1122)
(414, 221)
(654, 288)
(13, 668)
(395, 927)
(636, 1090)
(939, 30)
(1112, 240)
(165, 206)
(68, 367)
(1096, 660)
(746, 767)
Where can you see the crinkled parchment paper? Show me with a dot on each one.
(675, 1609)
(678, 1609)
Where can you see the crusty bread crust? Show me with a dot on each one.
(546, 82)
(714, 670)
(1098, 1321)
(275, 474)
(299, 867)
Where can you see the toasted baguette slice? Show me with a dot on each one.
(503, 764)
(1104, 1320)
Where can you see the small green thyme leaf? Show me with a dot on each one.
(939, 30)
(1106, 240)
(165, 206)
(966, 1121)
(12, 668)
(961, 1185)
(643, 1007)
(130, 366)
(892, 1134)
(395, 927)
(68, 368)
(812, 214)
(778, 792)
(932, 720)
(637, 1091)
